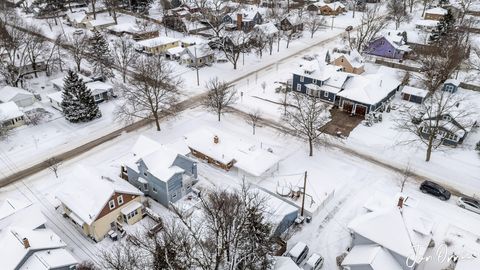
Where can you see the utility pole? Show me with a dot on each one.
(304, 193)
(196, 66)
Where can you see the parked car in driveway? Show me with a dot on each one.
(298, 253)
(435, 190)
(469, 204)
(315, 262)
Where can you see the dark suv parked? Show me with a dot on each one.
(435, 190)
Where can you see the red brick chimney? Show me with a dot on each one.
(215, 139)
(26, 243)
(239, 21)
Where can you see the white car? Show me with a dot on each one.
(469, 204)
(315, 262)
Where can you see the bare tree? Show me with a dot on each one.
(432, 122)
(464, 8)
(234, 44)
(153, 91)
(86, 265)
(112, 7)
(371, 23)
(259, 44)
(4, 130)
(78, 49)
(307, 115)
(94, 10)
(253, 118)
(53, 164)
(396, 10)
(124, 55)
(406, 174)
(37, 47)
(474, 59)
(313, 22)
(220, 95)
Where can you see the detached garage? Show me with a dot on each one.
(20, 96)
(413, 94)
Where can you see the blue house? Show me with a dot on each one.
(451, 132)
(324, 82)
(159, 172)
(451, 85)
(391, 45)
(244, 20)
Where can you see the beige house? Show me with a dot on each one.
(350, 61)
(100, 205)
(10, 115)
(158, 45)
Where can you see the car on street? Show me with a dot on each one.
(298, 253)
(469, 204)
(435, 189)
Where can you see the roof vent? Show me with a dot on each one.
(216, 139)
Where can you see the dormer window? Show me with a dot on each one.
(447, 117)
(120, 200)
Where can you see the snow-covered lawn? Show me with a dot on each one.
(353, 181)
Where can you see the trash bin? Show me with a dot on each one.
(308, 219)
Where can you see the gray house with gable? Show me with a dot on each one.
(161, 173)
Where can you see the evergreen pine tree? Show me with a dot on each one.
(71, 106)
(90, 109)
(100, 56)
(327, 57)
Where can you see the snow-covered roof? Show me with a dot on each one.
(202, 50)
(267, 29)
(9, 93)
(77, 17)
(245, 155)
(193, 40)
(406, 232)
(369, 89)
(377, 257)
(26, 222)
(98, 87)
(144, 146)
(56, 96)
(87, 191)
(131, 207)
(275, 208)
(352, 56)
(60, 81)
(158, 41)
(10, 206)
(317, 70)
(9, 110)
(160, 163)
(414, 91)
(101, 20)
(453, 81)
(335, 5)
(338, 79)
(125, 27)
(294, 18)
(436, 11)
(395, 38)
(49, 259)
(426, 23)
(284, 263)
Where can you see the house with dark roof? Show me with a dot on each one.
(389, 45)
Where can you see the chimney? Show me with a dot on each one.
(381, 83)
(239, 21)
(400, 202)
(26, 243)
(215, 139)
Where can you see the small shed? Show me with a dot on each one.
(451, 85)
(414, 94)
(10, 115)
(20, 96)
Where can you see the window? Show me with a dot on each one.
(174, 195)
(120, 200)
(154, 189)
(447, 117)
(325, 94)
(111, 204)
(302, 78)
(314, 81)
(299, 87)
(145, 174)
(145, 186)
